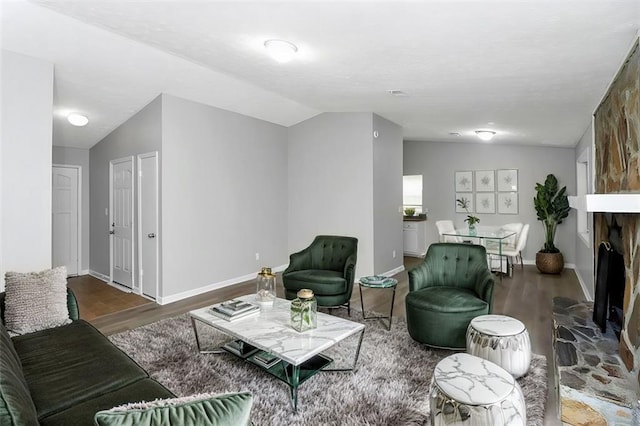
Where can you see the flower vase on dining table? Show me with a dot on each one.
(472, 229)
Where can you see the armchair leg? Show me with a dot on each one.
(349, 308)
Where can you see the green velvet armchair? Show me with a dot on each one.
(327, 267)
(451, 287)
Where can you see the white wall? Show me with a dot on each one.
(330, 182)
(387, 195)
(25, 182)
(437, 162)
(224, 196)
(79, 157)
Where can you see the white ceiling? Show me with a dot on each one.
(534, 71)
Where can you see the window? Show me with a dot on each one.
(412, 192)
(582, 187)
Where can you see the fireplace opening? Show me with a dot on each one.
(610, 282)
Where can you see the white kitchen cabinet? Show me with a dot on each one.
(415, 237)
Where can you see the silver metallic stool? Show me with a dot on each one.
(468, 390)
(502, 340)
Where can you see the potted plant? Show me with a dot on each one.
(552, 207)
(471, 219)
(409, 211)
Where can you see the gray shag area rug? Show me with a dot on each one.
(389, 387)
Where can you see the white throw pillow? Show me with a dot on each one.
(35, 301)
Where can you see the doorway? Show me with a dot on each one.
(121, 221)
(148, 235)
(65, 217)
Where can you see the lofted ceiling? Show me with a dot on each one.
(533, 71)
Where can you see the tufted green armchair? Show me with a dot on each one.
(327, 267)
(451, 287)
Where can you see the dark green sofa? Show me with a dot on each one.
(65, 375)
(327, 267)
(451, 287)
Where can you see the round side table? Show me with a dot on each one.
(378, 282)
(502, 340)
(467, 390)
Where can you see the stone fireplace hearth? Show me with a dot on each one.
(594, 384)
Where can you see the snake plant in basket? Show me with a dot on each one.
(552, 207)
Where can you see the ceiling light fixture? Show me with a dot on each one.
(398, 93)
(77, 119)
(485, 135)
(280, 50)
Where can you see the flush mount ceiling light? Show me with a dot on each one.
(485, 135)
(77, 119)
(280, 50)
(398, 93)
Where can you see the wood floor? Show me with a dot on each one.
(527, 295)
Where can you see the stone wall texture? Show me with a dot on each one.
(617, 170)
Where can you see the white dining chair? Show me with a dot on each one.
(446, 226)
(521, 243)
(513, 240)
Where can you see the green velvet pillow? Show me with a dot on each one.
(230, 409)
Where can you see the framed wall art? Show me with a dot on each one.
(484, 180)
(508, 203)
(464, 181)
(486, 202)
(507, 180)
(468, 196)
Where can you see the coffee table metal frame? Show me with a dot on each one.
(392, 284)
(296, 365)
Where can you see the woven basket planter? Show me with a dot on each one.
(549, 263)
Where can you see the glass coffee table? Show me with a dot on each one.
(270, 332)
(379, 282)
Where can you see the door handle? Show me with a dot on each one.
(151, 235)
(112, 232)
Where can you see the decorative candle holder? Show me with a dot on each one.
(304, 311)
(266, 287)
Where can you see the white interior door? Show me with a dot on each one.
(65, 209)
(148, 247)
(121, 219)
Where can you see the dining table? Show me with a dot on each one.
(493, 238)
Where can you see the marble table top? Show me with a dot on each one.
(497, 325)
(271, 331)
(472, 380)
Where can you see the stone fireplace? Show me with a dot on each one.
(617, 171)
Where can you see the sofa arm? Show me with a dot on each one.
(419, 277)
(484, 287)
(72, 305)
(299, 261)
(349, 271)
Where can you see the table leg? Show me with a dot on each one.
(393, 298)
(362, 302)
(355, 359)
(293, 381)
(195, 331)
(393, 295)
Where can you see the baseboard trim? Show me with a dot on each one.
(394, 271)
(533, 262)
(99, 276)
(583, 285)
(210, 287)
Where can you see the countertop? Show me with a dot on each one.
(413, 219)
